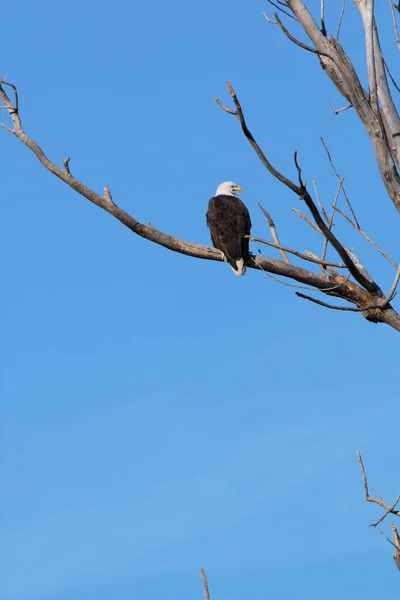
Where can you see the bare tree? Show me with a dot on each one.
(389, 510)
(345, 278)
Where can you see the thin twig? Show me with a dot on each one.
(292, 285)
(6, 128)
(307, 220)
(339, 110)
(66, 165)
(295, 40)
(317, 261)
(350, 207)
(335, 287)
(330, 222)
(392, 291)
(364, 475)
(283, 11)
(386, 538)
(274, 234)
(301, 184)
(325, 243)
(362, 232)
(319, 202)
(396, 30)
(205, 585)
(340, 20)
(339, 179)
(390, 75)
(225, 108)
(328, 268)
(269, 21)
(306, 287)
(334, 307)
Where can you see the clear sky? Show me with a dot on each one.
(159, 414)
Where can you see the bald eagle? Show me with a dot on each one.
(229, 221)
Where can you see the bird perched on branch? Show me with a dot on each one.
(229, 222)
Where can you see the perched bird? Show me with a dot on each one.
(229, 221)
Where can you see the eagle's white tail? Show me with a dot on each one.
(241, 267)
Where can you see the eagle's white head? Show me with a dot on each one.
(228, 188)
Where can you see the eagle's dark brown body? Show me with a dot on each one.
(229, 221)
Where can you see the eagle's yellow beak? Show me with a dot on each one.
(237, 188)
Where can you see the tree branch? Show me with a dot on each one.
(392, 79)
(339, 110)
(331, 218)
(340, 180)
(366, 10)
(274, 235)
(340, 20)
(379, 501)
(292, 38)
(321, 206)
(371, 241)
(392, 290)
(307, 220)
(205, 585)
(285, 12)
(333, 306)
(385, 536)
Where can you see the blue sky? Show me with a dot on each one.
(160, 415)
